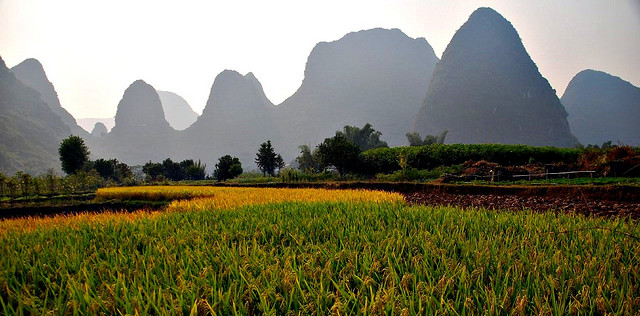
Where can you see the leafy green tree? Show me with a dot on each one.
(365, 138)
(153, 170)
(267, 159)
(74, 154)
(123, 173)
(172, 170)
(227, 168)
(3, 179)
(105, 168)
(279, 162)
(415, 139)
(51, 181)
(114, 170)
(193, 170)
(25, 182)
(308, 161)
(340, 153)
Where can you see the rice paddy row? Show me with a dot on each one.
(319, 252)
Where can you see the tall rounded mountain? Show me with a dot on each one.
(140, 109)
(141, 132)
(486, 89)
(238, 117)
(377, 76)
(603, 108)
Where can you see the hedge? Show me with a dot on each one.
(386, 160)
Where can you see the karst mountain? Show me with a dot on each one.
(30, 130)
(176, 110)
(31, 73)
(237, 118)
(378, 76)
(602, 108)
(141, 132)
(486, 89)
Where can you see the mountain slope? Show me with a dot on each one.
(31, 73)
(141, 133)
(176, 110)
(603, 108)
(377, 76)
(89, 123)
(238, 117)
(486, 89)
(30, 131)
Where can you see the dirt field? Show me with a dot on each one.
(605, 200)
(535, 203)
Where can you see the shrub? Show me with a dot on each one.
(386, 160)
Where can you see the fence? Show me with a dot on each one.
(498, 176)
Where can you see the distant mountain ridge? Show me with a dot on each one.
(176, 110)
(89, 123)
(486, 89)
(602, 108)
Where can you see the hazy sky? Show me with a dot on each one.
(93, 50)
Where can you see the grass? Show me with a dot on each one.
(308, 256)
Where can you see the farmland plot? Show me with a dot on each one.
(250, 251)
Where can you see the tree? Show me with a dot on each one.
(415, 139)
(172, 170)
(74, 154)
(193, 170)
(267, 159)
(3, 178)
(153, 170)
(340, 153)
(105, 168)
(114, 170)
(123, 173)
(365, 138)
(227, 168)
(307, 161)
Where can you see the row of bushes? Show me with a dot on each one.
(50, 184)
(389, 160)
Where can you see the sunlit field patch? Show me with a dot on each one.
(321, 252)
(189, 198)
(221, 197)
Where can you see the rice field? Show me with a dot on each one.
(225, 251)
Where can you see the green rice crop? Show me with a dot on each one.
(321, 258)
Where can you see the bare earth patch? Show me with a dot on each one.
(536, 203)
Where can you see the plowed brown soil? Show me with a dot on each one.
(523, 202)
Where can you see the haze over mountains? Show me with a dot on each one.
(603, 108)
(176, 110)
(88, 124)
(378, 76)
(141, 132)
(486, 89)
(31, 73)
(30, 131)
(238, 117)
